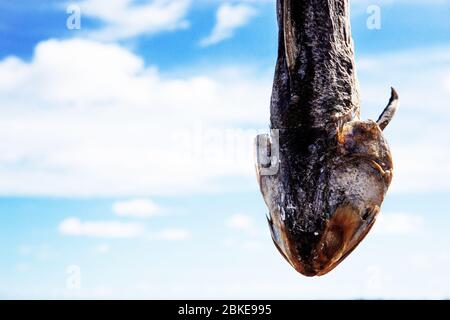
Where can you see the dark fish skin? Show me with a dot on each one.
(329, 170)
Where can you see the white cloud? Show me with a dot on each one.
(245, 224)
(122, 19)
(40, 252)
(171, 235)
(247, 235)
(88, 119)
(250, 245)
(116, 229)
(398, 224)
(240, 221)
(140, 208)
(229, 17)
(100, 229)
(102, 248)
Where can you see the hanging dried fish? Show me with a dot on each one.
(322, 171)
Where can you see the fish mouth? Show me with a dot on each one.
(340, 236)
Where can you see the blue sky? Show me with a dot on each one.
(127, 152)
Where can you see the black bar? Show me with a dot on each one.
(198, 309)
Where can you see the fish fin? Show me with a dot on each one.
(389, 112)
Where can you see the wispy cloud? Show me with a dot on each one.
(244, 244)
(240, 222)
(139, 208)
(245, 224)
(229, 17)
(171, 235)
(40, 252)
(122, 19)
(75, 227)
(100, 229)
(102, 248)
(398, 224)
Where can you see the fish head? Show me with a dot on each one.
(357, 178)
